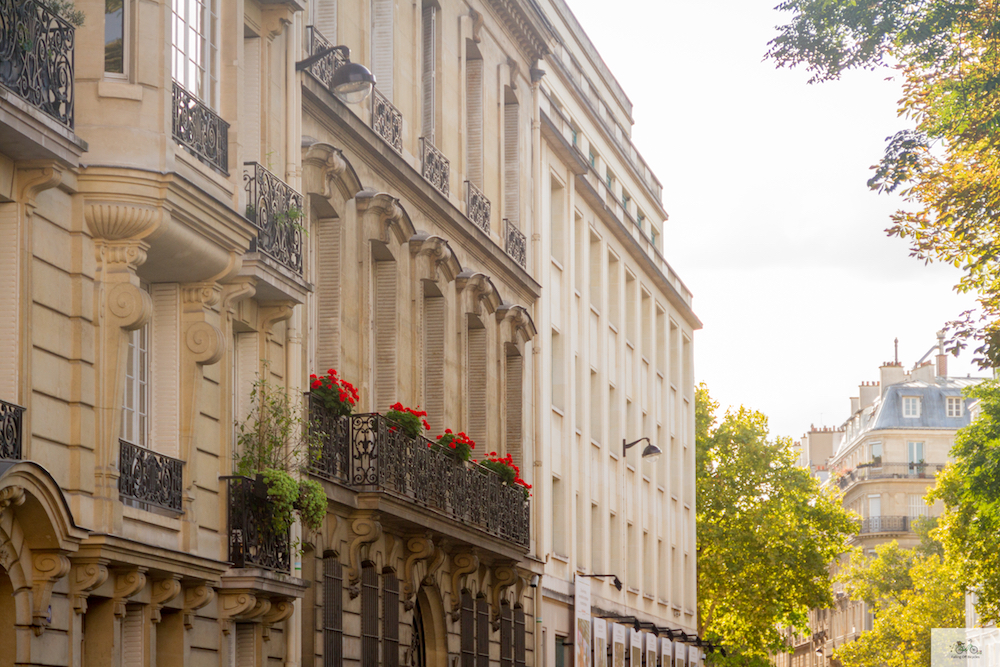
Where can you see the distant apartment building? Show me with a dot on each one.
(883, 457)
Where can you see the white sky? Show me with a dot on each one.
(771, 224)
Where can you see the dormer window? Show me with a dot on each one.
(954, 406)
(911, 406)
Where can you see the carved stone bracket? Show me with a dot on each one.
(434, 255)
(127, 584)
(383, 214)
(432, 569)
(516, 325)
(503, 576)
(332, 168)
(236, 291)
(462, 564)
(366, 529)
(281, 609)
(34, 179)
(196, 597)
(48, 567)
(515, 69)
(477, 25)
(11, 496)
(164, 590)
(420, 548)
(240, 606)
(86, 575)
(478, 291)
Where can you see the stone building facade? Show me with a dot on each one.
(883, 459)
(187, 211)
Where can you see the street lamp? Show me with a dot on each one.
(617, 582)
(650, 452)
(351, 82)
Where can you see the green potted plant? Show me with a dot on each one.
(412, 421)
(877, 460)
(921, 467)
(272, 443)
(458, 446)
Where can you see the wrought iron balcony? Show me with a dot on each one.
(885, 524)
(150, 478)
(276, 210)
(10, 430)
(869, 471)
(200, 130)
(515, 243)
(36, 57)
(253, 541)
(323, 68)
(387, 121)
(368, 453)
(435, 166)
(477, 207)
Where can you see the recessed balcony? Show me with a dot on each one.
(369, 453)
(11, 428)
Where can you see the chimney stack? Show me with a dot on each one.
(890, 373)
(942, 358)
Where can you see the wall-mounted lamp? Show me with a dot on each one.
(351, 82)
(617, 582)
(650, 452)
(533, 582)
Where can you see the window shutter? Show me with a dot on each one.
(132, 630)
(429, 71)
(326, 19)
(434, 360)
(514, 418)
(477, 368)
(520, 644)
(511, 171)
(384, 335)
(245, 652)
(390, 619)
(164, 365)
(250, 124)
(328, 306)
(468, 630)
(482, 633)
(382, 37)
(369, 617)
(474, 120)
(333, 612)
(506, 635)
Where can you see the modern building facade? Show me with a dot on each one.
(883, 459)
(187, 210)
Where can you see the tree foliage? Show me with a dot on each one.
(766, 533)
(970, 489)
(945, 161)
(910, 592)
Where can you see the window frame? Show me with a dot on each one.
(954, 401)
(209, 62)
(908, 402)
(140, 420)
(126, 43)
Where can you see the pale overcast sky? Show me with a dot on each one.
(771, 224)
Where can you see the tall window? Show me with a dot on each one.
(195, 48)
(333, 612)
(429, 72)
(384, 335)
(434, 321)
(324, 18)
(114, 37)
(382, 45)
(915, 450)
(511, 159)
(474, 112)
(135, 403)
(514, 386)
(476, 369)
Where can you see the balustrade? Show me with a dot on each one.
(276, 210)
(150, 478)
(200, 130)
(515, 243)
(477, 207)
(253, 540)
(11, 418)
(435, 166)
(387, 121)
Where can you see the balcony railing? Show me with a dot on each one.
(200, 130)
(885, 524)
(276, 210)
(10, 430)
(435, 166)
(367, 453)
(515, 243)
(253, 541)
(150, 478)
(387, 121)
(477, 207)
(323, 68)
(36, 57)
(868, 471)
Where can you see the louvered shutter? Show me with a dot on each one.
(133, 652)
(482, 633)
(390, 620)
(429, 72)
(369, 617)
(382, 38)
(434, 360)
(326, 19)
(333, 612)
(250, 123)
(468, 631)
(474, 120)
(477, 365)
(512, 167)
(245, 653)
(514, 390)
(384, 360)
(520, 643)
(328, 291)
(506, 635)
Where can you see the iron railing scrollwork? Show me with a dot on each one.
(36, 57)
(11, 428)
(150, 478)
(868, 471)
(200, 130)
(253, 540)
(324, 68)
(477, 207)
(434, 166)
(370, 452)
(515, 243)
(276, 210)
(387, 120)
(885, 524)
